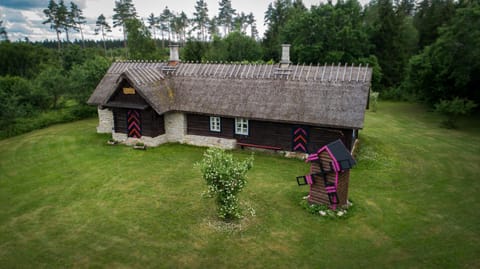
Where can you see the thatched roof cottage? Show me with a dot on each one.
(282, 107)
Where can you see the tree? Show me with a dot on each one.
(225, 178)
(226, 15)
(201, 19)
(453, 109)
(253, 27)
(241, 47)
(83, 78)
(165, 24)
(183, 23)
(124, 11)
(140, 43)
(327, 33)
(429, 17)
(153, 25)
(102, 27)
(53, 84)
(276, 17)
(53, 18)
(241, 22)
(394, 39)
(64, 18)
(77, 19)
(213, 27)
(3, 32)
(450, 67)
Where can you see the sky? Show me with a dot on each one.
(23, 18)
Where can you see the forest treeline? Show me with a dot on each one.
(425, 51)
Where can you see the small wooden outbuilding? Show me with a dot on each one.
(329, 175)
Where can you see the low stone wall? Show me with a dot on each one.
(105, 121)
(208, 141)
(147, 140)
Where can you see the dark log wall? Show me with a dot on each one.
(120, 97)
(152, 124)
(319, 137)
(267, 133)
(120, 120)
(200, 125)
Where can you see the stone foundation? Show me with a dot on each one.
(105, 121)
(208, 141)
(147, 140)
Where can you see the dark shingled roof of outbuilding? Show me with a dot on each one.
(333, 96)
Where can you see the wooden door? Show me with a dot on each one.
(134, 123)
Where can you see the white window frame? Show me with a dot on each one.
(241, 126)
(215, 124)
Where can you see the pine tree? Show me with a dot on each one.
(3, 32)
(153, 25)
(124, 10)
(165, 24)
(200, 18)
(51, 12)
(253, 27)
(77, 19)
(184, 22)
(430, 16)
(65, 19)
(102, 27)
(226, 15)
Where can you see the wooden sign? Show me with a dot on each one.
(128, 91)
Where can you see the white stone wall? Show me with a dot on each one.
(147, 140)
(175, 126)
(119, 137)
(209, 141)
(105, 121)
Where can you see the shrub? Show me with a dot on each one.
(454, 108)
(225, 178)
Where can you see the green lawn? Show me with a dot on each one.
(67, 199)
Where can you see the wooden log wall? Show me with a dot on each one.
(120, 97)
(267, 133)
(200, 125)
(120, 120)
(151, 123)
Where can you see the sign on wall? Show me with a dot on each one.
(128, 91)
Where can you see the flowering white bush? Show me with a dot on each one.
(225, 178)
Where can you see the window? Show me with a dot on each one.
(215, 125)
(241, 126)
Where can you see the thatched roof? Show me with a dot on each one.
(334, 96)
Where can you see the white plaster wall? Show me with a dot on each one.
(105, 121)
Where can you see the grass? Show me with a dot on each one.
(67, 199)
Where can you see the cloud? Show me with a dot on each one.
(24, 4)
(15, 16)
(34, 4)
